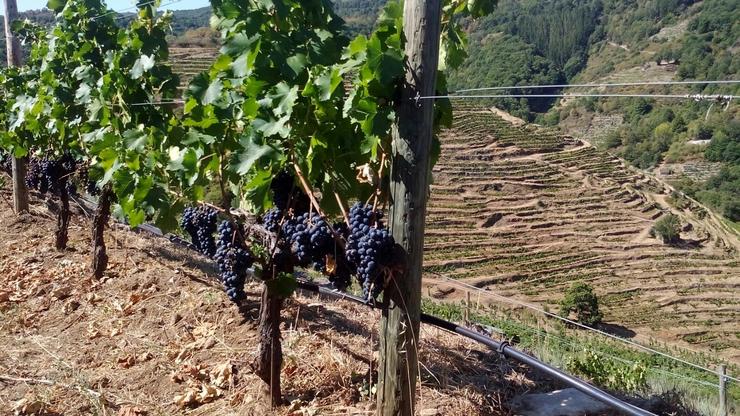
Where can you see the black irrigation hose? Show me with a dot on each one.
(505, 349)
(502, 348)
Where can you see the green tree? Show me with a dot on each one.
(581, 300)
(668, 228)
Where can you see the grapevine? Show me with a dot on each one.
(288, 93)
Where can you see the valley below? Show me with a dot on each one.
(524, 212)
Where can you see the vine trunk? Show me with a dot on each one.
(100, 220)
(62, 219)
(270, 359)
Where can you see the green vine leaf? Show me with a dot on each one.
(283, 286)
(143, 64)
(250, 154)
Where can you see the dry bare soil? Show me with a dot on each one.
(158, 332)
(524, 212)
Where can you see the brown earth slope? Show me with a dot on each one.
(524, 212)
(159, 327)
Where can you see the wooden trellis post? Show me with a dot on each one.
(15, 58)
(412, 140)
(722, 390)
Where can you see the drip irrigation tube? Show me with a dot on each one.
(502, 348)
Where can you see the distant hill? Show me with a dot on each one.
(525, 211)
(183, 20)
(527, 42)
(359, 15)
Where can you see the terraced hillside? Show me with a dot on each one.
(525, 212)
(189, 62)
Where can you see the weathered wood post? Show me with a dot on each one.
(467, 307)
(722, 390)
(15, 58)
(412, 139)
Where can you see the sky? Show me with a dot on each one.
(121, 4)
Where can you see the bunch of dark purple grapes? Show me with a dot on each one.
(6, 163)
(271, 220)
(200, 224)
(295, 231)
(369, 248)
(233, 260)
(88, 183)
(286, 195)
(51, 175)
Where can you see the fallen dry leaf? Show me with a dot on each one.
(127, 361)
(195, 396)
(30, 320)
(61, 292)
(295, 405)
(199, 344)
(221, 375)
(27, 406)
(93, 298)
(133, 299)
(187, 399)
(208, 393)
(150, 290)
(132, 411)
(70, 306)
(189, 371)
(204, 330)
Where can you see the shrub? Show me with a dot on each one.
(678, 201)
(613, 139)
(668, 228)
(608, 373)
(582, 300)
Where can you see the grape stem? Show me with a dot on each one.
(380, 181)
(307, 189)
(342, 208)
